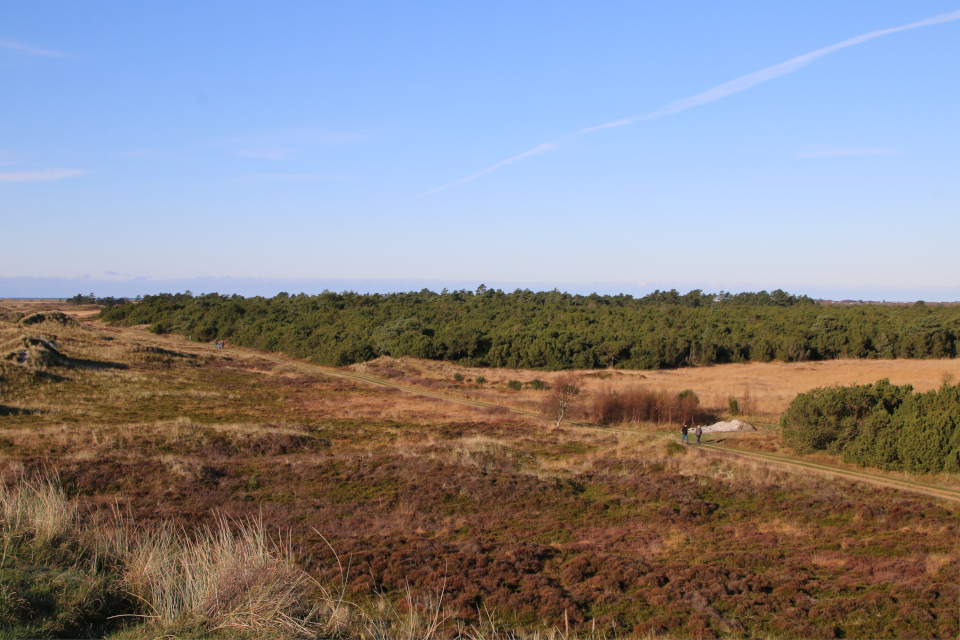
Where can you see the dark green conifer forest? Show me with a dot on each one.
(553, 330)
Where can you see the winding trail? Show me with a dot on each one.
(797, 464)
(836, 472)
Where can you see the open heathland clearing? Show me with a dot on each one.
(763, 389)
(340, 507)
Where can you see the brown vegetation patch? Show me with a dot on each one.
(762, 389)
(56, 317)
(604, 532)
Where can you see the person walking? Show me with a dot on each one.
(698, 432)
(685, 439)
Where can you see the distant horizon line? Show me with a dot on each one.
(847, 301)
(53, 288)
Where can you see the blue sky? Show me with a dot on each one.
(151, 145)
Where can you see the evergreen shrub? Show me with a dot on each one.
(880, 425)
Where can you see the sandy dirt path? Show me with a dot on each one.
(834, 472)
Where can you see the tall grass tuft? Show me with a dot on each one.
(36, 507)
(230, 577)
(55, 580)
(416, 617)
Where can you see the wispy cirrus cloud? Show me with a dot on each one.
(848, 151)
(284, 144)
(136, 154)
(33, 51)
(40, 175)
(6, 159)
(276, 153)
(289, 177)
(711, 95)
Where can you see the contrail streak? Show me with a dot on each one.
(543, 148)
(40, 176)
(716, 93)
(10, 44)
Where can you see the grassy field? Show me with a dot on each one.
(367, 510)
(763, 389)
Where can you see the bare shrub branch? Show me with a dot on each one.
(564, 396)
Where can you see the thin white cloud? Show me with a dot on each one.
(278, 153)
(848, 151)
(34, 51)
(711, 95)
(289, 177)
(543, 148)
(283, 144)
(42, 175)
(139, 154)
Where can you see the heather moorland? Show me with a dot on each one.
(155, 485)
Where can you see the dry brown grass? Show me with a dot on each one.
(230, 577)
(935, 561)
(774, 385)
(11, 306)
(768, 387)
(130, 377)
(38, 506)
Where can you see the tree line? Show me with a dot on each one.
(92, 298)
(553, 330)
(879, 425)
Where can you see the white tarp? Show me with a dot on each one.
(733, 425)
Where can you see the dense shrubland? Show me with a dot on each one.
(449, 522)
(553, 330)
(880, 425)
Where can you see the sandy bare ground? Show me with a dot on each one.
(834, 472)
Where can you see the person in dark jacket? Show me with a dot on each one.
(683, 430)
